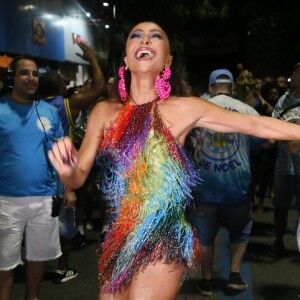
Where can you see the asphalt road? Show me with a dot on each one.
(268, 278)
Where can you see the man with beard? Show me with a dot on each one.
(27, 186)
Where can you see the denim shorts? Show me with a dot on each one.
(67, 227)
(32, 216)
(207, 218)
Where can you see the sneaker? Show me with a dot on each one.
(89, 226)
(205, 287)
(277, 249)
(79, 240)
(64, 276)
(235, 282)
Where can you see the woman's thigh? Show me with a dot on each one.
(122, 295)
(158, 281)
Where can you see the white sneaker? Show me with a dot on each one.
(64, 276)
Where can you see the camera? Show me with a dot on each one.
(56, 201)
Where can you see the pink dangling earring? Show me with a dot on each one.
(121, 84)
(162, 86)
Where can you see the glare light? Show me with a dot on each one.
(27, 7)
(105, 3)
(48, 16)
(106, 26)
(88, 14)
(59, 23)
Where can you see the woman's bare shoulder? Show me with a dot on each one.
(180, 115)
(105, 112)
(182, 101)
(110, 104)
(184, 104)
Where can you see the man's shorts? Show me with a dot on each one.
(207, 218)
(29, 217)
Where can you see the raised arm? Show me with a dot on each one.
(89, 95)
(205, 114)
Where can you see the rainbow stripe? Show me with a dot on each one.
(147, 180)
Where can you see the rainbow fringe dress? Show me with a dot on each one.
(147, 179)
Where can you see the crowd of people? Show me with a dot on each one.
(171, 168)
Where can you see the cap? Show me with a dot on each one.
(213, 77)
(296, 66)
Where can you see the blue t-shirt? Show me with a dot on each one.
(26, 134)
(224, 159)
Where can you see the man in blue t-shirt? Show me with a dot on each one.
(27, 180)
(224, 196)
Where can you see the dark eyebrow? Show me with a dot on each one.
(155, 30)
(35, 72)
(137, 30)
(27, 70)
(151, 30)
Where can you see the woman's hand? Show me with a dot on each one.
(64, 157)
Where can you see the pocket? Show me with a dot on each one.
(5, 219)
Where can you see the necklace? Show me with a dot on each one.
(134, 102)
